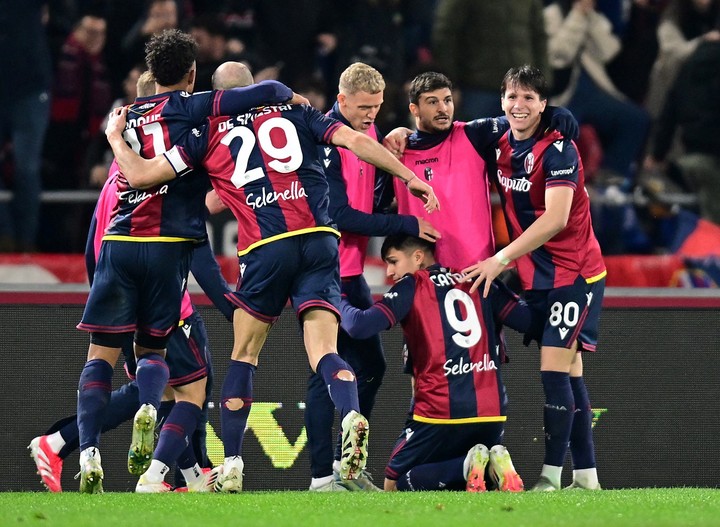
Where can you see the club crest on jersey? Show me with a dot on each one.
(529, 162)
(428, 173)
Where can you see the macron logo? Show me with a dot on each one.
(326, 162)
(559, 145)
(327, 151)
(563, 332)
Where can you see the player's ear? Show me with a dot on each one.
(341, 98)
(418, 257)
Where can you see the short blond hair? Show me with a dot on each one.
(360, 77)
(145, 84)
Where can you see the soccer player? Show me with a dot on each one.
(142, 268)
(449, 155)
(452, 338)
(189, 363)
(542, 187)
(265, 167)
(353, 184)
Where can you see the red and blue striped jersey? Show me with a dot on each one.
(452, 341)
(265, 167)
(525, 170)
(175, 211)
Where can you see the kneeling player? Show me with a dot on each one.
(453, 343)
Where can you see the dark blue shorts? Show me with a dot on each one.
(137, 286)
(573, 313)
(304, 269)
(188, 355)
(421, 443)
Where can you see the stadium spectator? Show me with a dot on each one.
(81, 96)
(692, 109)
(26, 78)
(540, 179)
(132, 292)
(99, 155)
(352, 186)
(452, 340)
(474, 43)
(580, 43)
(293, 259)
(684, 25)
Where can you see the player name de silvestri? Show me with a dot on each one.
(250, 116)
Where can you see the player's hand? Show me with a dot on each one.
(396, 141)
(422, 190)
(485, 271)
(116, 122)
(426, 231)
(213, 203)
(298, 99)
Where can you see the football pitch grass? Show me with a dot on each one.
(615, 508)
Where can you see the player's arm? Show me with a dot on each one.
(349, 219)
(373, 152)
(394, 306)
(140, 172)
(206, 271)
(239, 100)
(509, 310)
(559, 194)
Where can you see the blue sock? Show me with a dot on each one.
(122, 407)
(581, 439)
(152, 376)
(175, 433)
(163, 412)
(93, 395)
(233, 417)
(343, 393)
(558, 415)
(445, 475)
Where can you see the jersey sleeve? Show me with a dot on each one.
(190, 152)
(560, 163)
(206, 271)
(384, 314)
(352, 220)
(484, 133)
(239, 100)
(321, 126)
(509, 310)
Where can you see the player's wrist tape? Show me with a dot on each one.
(500, 257)
(407, 181)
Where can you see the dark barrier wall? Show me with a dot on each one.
(653, 385)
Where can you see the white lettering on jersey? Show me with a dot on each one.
(520, 185)
(133, 197)
(462, 367)
(563, 172)
(294, 192)
(447, 279)
(390, 295)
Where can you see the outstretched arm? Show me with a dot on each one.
(373, 152)
(140, 172)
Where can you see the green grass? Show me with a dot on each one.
(617, 508)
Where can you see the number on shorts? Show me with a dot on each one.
(468, 330)
(286, 159)
(567, 315)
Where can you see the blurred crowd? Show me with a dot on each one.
(642, 77)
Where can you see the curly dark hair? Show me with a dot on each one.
(170, 55)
